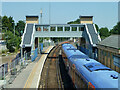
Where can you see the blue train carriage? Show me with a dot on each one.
(86, 72)
(71, 52)
(94, 74)
(66, 51)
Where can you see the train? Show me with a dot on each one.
(86, 72)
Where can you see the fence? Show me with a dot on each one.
(8, 71)
(34, 54)
(3, 70)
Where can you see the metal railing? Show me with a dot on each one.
(9, 71)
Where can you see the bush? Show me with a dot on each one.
(13, 42)
(3, 51)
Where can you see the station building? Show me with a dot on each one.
(86, 19)
(109, 52)
(31, 19)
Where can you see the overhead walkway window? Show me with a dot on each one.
(45, 28)
(59, 28)
(52, 28)
(38, 28)
(74, 28)
(67, 28)
(82, 29)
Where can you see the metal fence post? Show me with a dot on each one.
(4, 75)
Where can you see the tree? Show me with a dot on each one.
(104, 32)
(11, 24)
(74, 22)
(12, 41)
(97, 28)
(20, 27)
(116, 29)
(7, 23)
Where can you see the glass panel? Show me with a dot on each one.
(45, 28)
(74, 28)
(52, 28)
(60, 29)
(38, 28)
(82, 28)
(67, 28)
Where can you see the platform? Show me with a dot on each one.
(30, 76)
(34, 77)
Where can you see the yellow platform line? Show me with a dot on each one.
(31, 76)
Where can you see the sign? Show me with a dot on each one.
(23, 46)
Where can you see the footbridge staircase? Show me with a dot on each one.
(33, 31)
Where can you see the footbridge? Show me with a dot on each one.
(86, 32)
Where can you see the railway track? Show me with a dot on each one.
(51, 77)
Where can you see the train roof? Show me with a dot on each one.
(72, 52)
(96, 73)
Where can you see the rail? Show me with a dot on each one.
(44, 83)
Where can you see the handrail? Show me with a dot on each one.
(33, 33)
(88, 34)
(96, 32)
(23, 35)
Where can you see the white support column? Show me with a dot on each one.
(42, 28)
(80, 28)
(77, 28)
(70, 28)
(21, 52)
(56, 28)
(38, 46)
(63, 28)
(49, 29)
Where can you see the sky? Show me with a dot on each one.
(105, 13)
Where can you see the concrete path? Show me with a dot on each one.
(22, 77)
(30, 76)
(34, 77)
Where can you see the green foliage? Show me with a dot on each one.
(7, 23)
(97, 28)
(74, 22)
(12, 42)
(116, 29)
(104, 32)
(3, 51)
(20, 27)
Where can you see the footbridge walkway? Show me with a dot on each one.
(34, 31)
